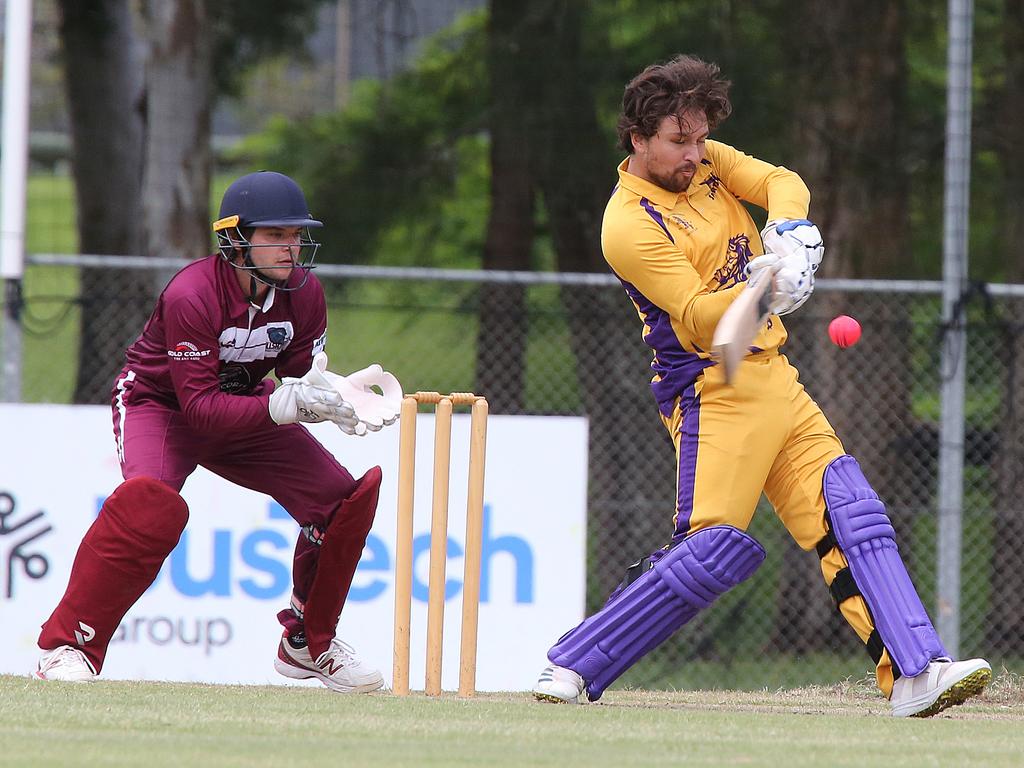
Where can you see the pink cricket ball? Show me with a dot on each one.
(844, 331)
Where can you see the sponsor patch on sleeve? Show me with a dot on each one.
(186, 350)
(320, 343)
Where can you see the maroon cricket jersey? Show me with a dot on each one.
(205, 350)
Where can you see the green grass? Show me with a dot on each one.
(50, 324)
(426, 333)
(50, 211)
(745, 670)
(50, 214)
(157, 724)
(51, 318)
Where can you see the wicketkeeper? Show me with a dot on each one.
(678, 237)
(193, 393)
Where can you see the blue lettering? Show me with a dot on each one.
(280, 579)
(218, 583)
(375, 558)
(522, 555)
(276, 512)
(420, 589)
(265, 552)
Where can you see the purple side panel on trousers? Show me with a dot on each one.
(689, 439)
(866, 536)
(687, 579)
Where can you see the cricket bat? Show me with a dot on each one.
(740, 323)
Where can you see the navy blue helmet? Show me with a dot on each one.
(264, 199)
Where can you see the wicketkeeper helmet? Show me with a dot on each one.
(264, 199)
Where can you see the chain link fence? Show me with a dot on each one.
(570, 345)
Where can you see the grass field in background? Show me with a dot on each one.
(50, 323)
(51, 318)
(426, 332)
(428, 341)
(50, 214)
(172, 724)
(50, 330)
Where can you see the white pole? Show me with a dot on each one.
(13, 180)
(956, 206)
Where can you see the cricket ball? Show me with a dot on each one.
(844, 331)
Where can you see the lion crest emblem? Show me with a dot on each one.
(737, 256)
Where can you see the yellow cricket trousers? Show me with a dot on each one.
(764, 433)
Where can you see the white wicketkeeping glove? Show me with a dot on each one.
(374, 410)
(312, 399)
(793, 251)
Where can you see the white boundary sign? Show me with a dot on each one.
(211, 614)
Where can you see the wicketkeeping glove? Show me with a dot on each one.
(312, 399)
(374, 410)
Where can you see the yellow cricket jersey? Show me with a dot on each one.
(681, 256)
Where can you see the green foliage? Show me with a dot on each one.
(403, 165)
(387, 170)
(453, 235)
(401, 174)
(245, 31)
(742, 38)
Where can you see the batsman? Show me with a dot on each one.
(678, 237)
(193, 393)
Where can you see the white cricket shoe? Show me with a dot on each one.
(65, 663)
(337, 667)
(943, 684)
(559, 685)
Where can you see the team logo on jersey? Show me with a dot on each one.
(186, 350)
(737, 256)
(243, 345)
(277, 337)
(712, 182)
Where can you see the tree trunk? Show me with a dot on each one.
(848, 144)
(1008, 145)
(176, 179)
(141, 154)
(1006, 575)
(502, 335)
(104, 87)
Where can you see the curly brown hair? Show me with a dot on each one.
(672, 88)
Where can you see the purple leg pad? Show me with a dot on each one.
(866, 536)
(688, 578)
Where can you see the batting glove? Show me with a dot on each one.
(793, 252)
